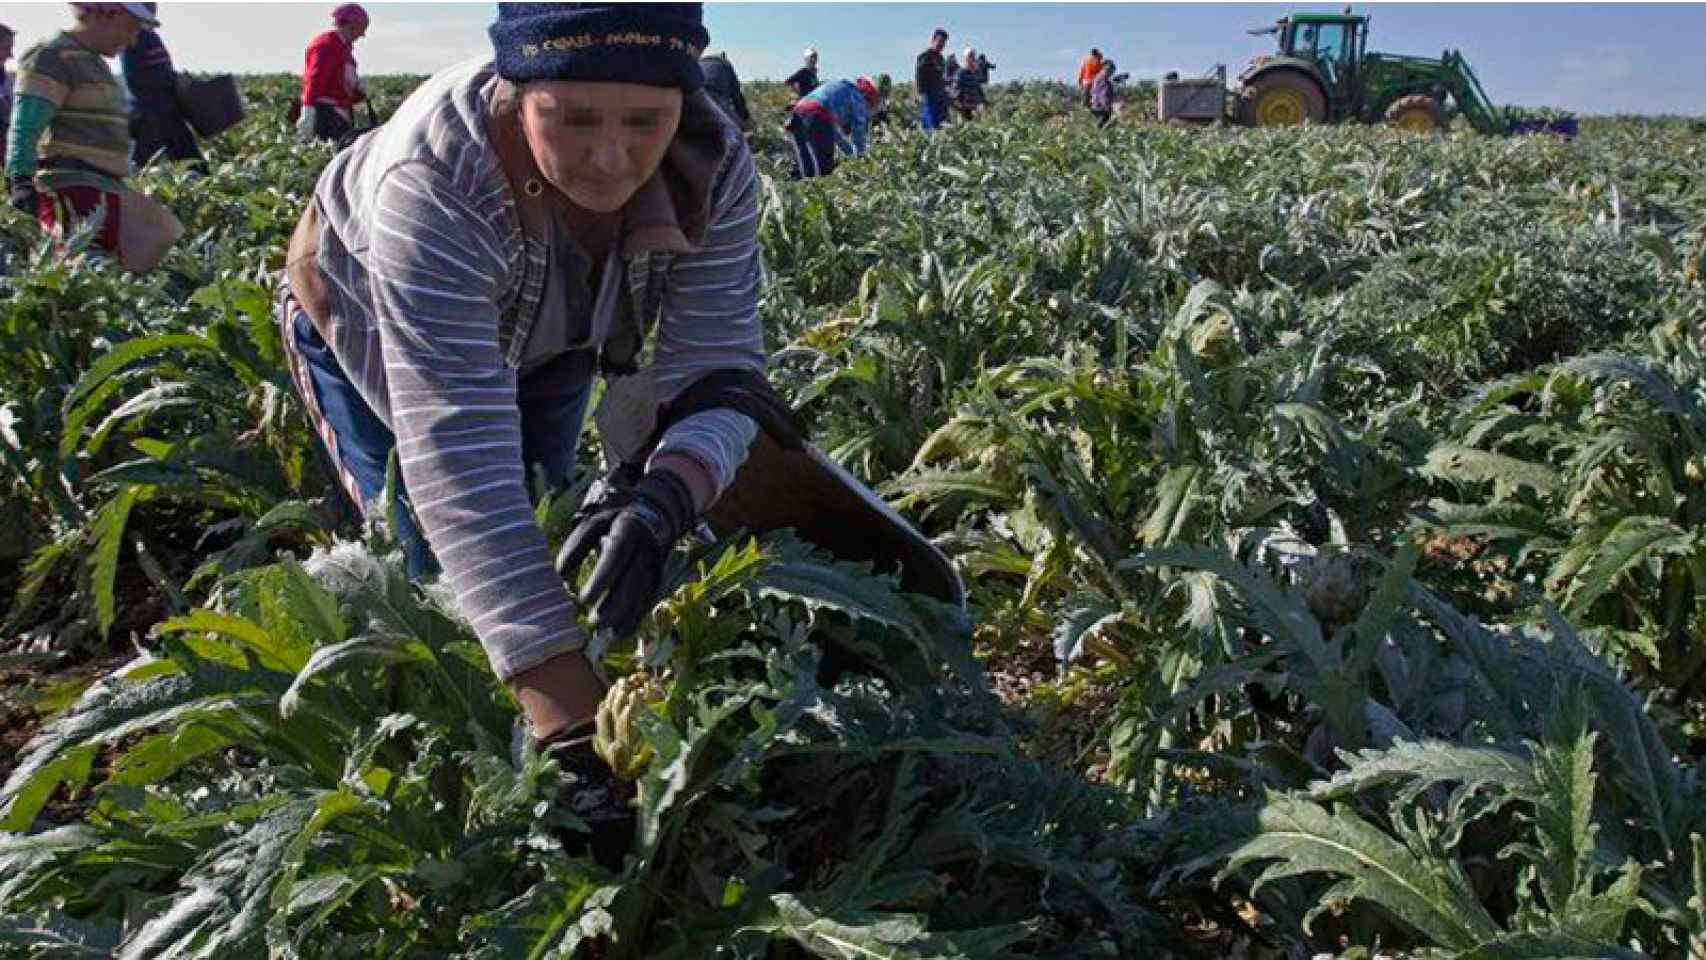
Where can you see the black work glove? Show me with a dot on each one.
(21, 193)
(634, 533)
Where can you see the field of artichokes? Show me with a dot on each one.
(1331, 500)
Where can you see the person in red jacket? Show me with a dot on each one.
(330, 85)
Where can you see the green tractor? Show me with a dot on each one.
(1323, 73)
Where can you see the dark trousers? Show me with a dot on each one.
(1102, 116)
(552, 399)
(329, 124)
(814, 146)
(162, 130)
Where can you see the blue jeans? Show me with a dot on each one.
(933, 111)
(552, 398)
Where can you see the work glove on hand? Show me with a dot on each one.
(21, 193)
(634, 533)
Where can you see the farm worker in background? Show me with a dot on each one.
(1088, 70)
(804, 80)
(930, 78)
(885, 85)
(6, 38)
(1102, 94)
(68, 150)
(723, 86)
(463, 276)
(835, 116)
(331, 87)
(156, 121)
(969, 83)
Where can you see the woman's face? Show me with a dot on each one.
(109, 32)
(598, 142)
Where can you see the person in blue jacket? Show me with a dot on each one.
(156, 121)
(835, 116)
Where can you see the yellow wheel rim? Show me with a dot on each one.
(1279, 108)
(1416, 120)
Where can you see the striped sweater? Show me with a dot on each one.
(90, 118)
(424, 255)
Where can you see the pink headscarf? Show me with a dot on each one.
(349, 13)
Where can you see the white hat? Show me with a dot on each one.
(810, 52)
(138, 10)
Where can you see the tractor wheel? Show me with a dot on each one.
(1284, 99)
(1417, 112)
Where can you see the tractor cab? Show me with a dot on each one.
(1329, 49)
(1334, 44)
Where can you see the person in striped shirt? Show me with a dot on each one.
(518, 227)
(68, 149)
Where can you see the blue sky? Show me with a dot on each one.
(1592, 58)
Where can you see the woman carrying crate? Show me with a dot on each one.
(157, 122)
(969, 83)
(1102, 93)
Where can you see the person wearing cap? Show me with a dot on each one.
(969, 82)
(331, 86)
(835, 116)
(804, 80)
(7, 36)
(723, 86)
(68, 149)
(157, 122)
(518, 228)
(930, 79)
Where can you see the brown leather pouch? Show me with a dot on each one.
(302, 268)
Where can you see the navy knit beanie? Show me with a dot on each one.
(656, 44)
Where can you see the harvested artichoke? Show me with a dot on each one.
(617, 738)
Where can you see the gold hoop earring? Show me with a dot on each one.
(533, 188)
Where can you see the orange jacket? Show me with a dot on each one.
(1087, 71)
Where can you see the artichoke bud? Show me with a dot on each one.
(1215, 342)
(617, 738)
(1333, 588)
(1002, 463)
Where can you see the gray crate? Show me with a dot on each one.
(1199, 99)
